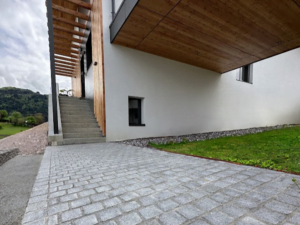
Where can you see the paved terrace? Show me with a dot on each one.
(118, 184)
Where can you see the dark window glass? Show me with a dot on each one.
(89, 58)
(135, 112)
(246, 74)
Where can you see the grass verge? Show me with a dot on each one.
(276, 149)
(9, 129)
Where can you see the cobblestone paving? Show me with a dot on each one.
(113, 183)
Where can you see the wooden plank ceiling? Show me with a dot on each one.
(68, 34)
(219, 35)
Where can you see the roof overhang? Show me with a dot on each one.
(219, 35)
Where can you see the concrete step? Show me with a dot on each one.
(68, 110)
(82, 120)
(78, 117)
(83, 106)
(80, 125)
(77, 105)
(82, 135)
(81, 130)
(74, 100)
(75, 108)
(73, 141)
(78, 112)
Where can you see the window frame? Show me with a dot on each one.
(140, 112)
(241, 73)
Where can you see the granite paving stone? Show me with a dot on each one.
(116, 184)
(269, 216)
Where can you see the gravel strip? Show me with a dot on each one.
(143, 142)
(32, 141)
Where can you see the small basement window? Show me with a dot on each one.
(245, 74)
(135, 111)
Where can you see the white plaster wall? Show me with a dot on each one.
(182, 99)
(89, 83)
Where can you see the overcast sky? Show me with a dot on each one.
(24, 47)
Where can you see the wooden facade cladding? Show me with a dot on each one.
(98, 64)
(219, 35)
(76, 82)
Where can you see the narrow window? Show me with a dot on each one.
(89, 58)
(135, 111)
(245, 74)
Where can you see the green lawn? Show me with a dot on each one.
(9, 129)
(277, 149)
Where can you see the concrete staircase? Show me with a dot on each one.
(79, 125)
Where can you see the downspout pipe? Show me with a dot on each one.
(113, 9)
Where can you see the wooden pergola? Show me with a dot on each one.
(69, 27)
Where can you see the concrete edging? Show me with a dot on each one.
(8, 154)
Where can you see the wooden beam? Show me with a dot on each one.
(65, 53)
(57, 36)
(56, 27)
(70, 22)
(81, 4)
(65, 64)
(63, 71)
(66, 75)
(66, 49)
(64, 67)
(71, 12)
(66, 44)
(69, 60)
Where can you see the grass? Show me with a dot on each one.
(276, 149)
(10, 129)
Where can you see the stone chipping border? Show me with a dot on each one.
(144, 142)
(8, 154)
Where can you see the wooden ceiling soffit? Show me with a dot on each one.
(57, 36)
(70, 22)
(70, 12)
(218, 35)
(71, 31)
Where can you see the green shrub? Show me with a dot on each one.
(1, 127)
(30, 120)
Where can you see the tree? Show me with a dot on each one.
(3, 114)
(16, 116)
(39, 118)
(31, 120)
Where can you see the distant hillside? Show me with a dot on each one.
(24, 101)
